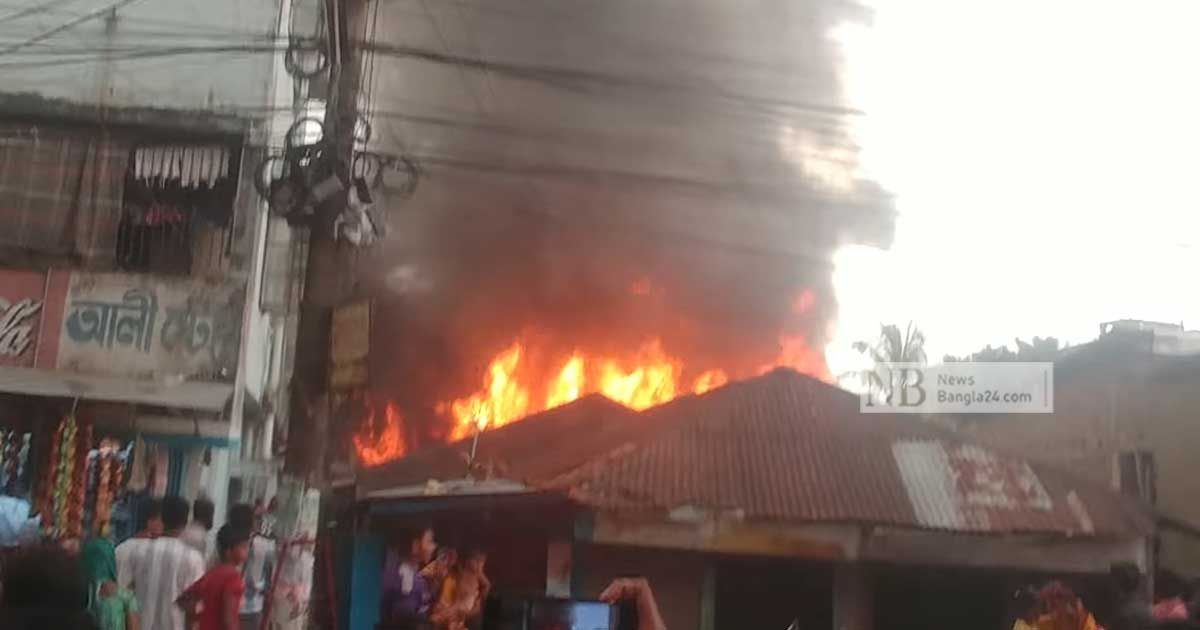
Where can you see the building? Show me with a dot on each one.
(1124, 415)
(754, 504)
(139, 272)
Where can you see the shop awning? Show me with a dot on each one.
(199, 395)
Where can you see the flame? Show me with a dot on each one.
(711, 379)
(376, 447)
(644, 379)
(795, 353)
(650, 382)
(569, 384)
(502, 400)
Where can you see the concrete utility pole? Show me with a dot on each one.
(328, 272)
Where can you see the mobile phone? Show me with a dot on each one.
(572, 614)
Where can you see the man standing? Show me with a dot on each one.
(168, 566)
(130, 552)
(260, 562)
(405, 599)
(196, 533)
(213, 600)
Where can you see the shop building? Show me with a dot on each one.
(753, 505)
(146, 298)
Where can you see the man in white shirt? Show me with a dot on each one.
(196, 533)
(129, 553)
(260, 562)
(166, 568)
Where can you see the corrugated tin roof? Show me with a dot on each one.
(787, 447)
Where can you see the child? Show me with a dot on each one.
(463, 593)
(113, 607)
(213, 601)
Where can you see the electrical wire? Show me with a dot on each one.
(69, 24)
(149, 53)
(33, 10)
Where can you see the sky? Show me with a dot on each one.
(1043, 155)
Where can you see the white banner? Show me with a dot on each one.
(966, 387)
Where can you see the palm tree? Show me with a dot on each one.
(892, 346)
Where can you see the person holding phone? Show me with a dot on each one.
(636, 591)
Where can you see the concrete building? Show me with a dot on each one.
(1124, 415)
(131, 136)
(755, 504)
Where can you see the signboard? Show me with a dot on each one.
(350, 344)
(143, 326)
(22, 295)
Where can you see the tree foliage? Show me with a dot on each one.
(1039, 349)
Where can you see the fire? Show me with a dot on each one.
(711, 379)
(502, 400)
(569, 384)
(378, 445)
(794, 352)
(646, 378)
(650, 382)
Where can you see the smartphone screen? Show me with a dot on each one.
(565, 614)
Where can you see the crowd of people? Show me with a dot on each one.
(165, 577)
(1054, 606)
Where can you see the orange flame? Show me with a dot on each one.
(711, 379)
(569, 384)
(794, 352)
(376, 447)
(502, 400)
(650, 377)
(650, 382)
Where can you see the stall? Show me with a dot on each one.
(71, 469)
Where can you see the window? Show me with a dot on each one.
(177, 209)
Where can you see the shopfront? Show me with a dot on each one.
(113, 387)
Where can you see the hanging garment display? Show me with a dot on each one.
(139, 467)
(171, 185)
(14, 453)
(161, 472)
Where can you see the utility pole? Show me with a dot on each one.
(328, 269)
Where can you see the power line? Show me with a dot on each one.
(148, 53)
(33, 10)
(574, 78)
(69, 24)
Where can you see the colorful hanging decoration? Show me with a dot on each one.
(75, 500)
(108, 464)
(66, 487)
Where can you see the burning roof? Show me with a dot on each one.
(780, 447)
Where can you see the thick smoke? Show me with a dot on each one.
(645, 196)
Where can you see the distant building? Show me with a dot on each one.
(1125, 414)
(752, 505)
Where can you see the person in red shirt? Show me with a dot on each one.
(213, 601)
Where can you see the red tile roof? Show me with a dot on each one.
(535, 449)
(787, 447)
